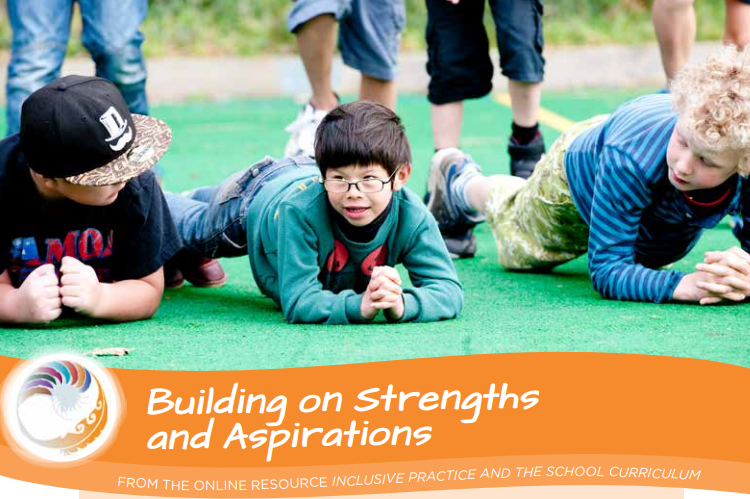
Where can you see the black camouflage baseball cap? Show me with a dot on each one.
(80, 129)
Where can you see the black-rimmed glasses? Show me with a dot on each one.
(366, 186)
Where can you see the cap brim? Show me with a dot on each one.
(152, 141)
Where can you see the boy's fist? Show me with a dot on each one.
(39, 296)
(383, 293)
(80, 288)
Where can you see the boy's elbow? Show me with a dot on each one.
(295, 314)
(150, 311)
(603, 284)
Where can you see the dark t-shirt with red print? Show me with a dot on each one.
(128, 239)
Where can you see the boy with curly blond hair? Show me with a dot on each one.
(635, 189)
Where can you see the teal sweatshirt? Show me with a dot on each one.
(303, 261)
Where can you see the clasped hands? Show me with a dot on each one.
(723, 276)
(383, 293)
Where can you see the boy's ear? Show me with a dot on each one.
(48, 182)
(402, 176)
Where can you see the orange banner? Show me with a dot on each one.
(581, 410)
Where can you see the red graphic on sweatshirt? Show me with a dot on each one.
(338, 258)
(374, 259)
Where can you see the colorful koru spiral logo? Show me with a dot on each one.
(61, 408)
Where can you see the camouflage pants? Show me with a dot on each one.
(535, 222)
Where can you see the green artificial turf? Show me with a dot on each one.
(235, 327)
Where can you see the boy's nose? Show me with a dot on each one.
(353, 192)
(685, 166)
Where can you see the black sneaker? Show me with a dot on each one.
(456, 229)
(523, 159)
(461, 243)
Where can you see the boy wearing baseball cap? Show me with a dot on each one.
(83, 222)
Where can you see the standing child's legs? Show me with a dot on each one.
(520, 42)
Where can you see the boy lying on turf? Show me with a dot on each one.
(83, 223)
(323, 239)
(635, 189)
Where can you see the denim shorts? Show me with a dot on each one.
(458, 59)
(369, 31)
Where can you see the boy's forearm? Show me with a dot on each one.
(633, 282)
(130, 300)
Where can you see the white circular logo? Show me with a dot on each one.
(61, 408)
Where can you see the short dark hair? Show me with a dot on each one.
(361, 133)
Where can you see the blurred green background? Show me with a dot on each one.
(252, 27)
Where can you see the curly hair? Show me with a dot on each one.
(713, 98)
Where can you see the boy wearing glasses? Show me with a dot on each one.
(324, 239)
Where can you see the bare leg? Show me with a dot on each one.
(525, 99)
(674, 23)
(381, 91)
(316, 41)
(478, 189)
(446, 124)
(737, 24)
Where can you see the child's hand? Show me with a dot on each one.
(727, 275)
(383, 293)
(80, 288)
(388, 296)
(39, 297)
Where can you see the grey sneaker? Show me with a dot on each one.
(455, 227)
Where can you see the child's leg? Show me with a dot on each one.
(535, 222)
(203, 194)
(674, 24)
(210, 219)
(518, 25)
(446, 124)
(737, 22)
(369, 41)
(316, 41)
(458, 59)
(199, 231)
(460, 68)
(377, 90)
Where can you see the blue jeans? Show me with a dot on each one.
(212, 221)
(41, 29)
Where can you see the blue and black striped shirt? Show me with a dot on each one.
(617, 172)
